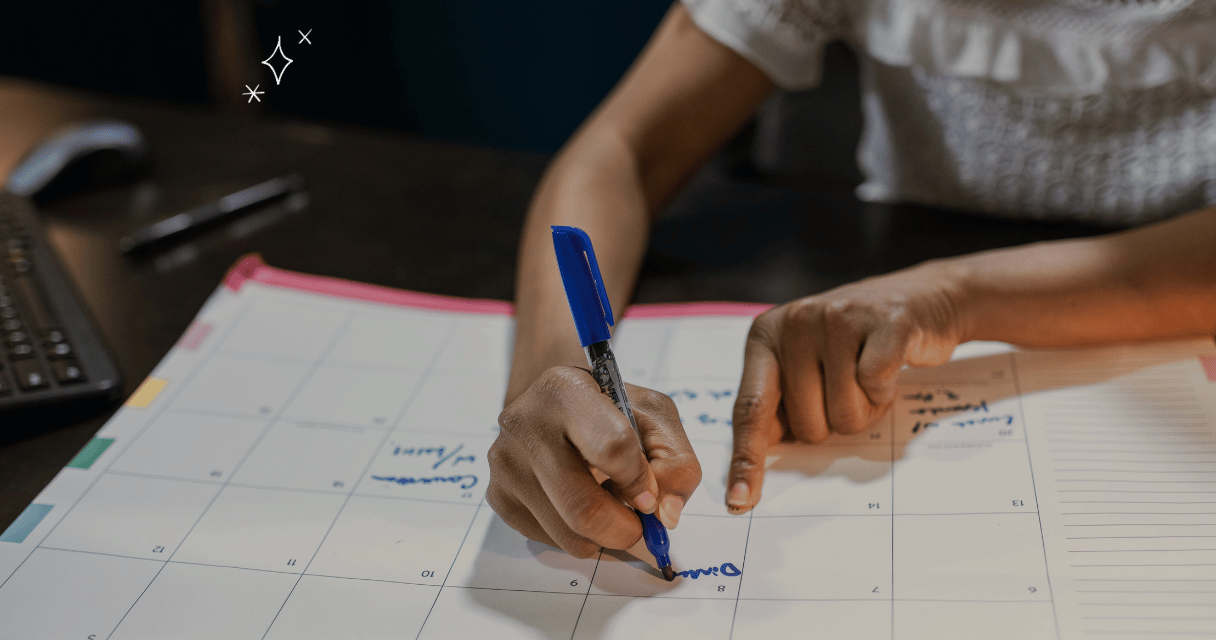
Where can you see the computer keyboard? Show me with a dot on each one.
(49, 349)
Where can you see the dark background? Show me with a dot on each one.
(513, 74)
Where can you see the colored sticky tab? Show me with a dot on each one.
(146, 393)
(90, 453)
(25, 523)
(1209, 366)
(195, 335)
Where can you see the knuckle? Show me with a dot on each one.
(692, 469)
(510, 419)
(617, 444)
(495, 456)
(898, 315)
(805, 315)
(873, 379)
(840, 314)
(666, 407)
(495, 498)
(651, 401)
(560, 381)
(764, 325)
(847, 424)
(810, 436)
(749, 408)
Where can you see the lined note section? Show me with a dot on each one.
(1124, 460)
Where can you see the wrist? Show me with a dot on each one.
(531, 360)
(955, 279)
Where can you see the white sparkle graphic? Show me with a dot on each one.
(253, 93)
(305, 38)
(278, 49)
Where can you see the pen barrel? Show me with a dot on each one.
(608, 377)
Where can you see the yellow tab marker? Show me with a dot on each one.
(147, 392)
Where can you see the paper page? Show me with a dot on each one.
(303, 465)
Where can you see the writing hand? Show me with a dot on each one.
(559, 430)
(829, 362)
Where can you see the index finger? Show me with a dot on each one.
(755, 423)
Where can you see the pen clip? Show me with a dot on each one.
(581, 274)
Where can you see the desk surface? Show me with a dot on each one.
(428, 216)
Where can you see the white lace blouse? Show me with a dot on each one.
(1096, 110)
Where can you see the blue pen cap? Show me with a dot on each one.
(584, 285)
(655, 536)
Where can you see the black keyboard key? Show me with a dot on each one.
(35, 311)
(29, 374)
(67, 371)
(46, 343)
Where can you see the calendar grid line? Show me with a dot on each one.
(449, 572)
(371, 459)
(1013, 365)
(265, 430)
(587, 594)
(891, 444)
(185, 384)
(472, 521)
(734, 617)
(553, 592)
(209, 413)
(566, 593)
(264, 487)
(193, 371)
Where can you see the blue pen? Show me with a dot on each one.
(592, 317)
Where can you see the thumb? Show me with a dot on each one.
(756, 425)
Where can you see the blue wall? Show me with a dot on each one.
(514, 74)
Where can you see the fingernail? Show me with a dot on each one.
(669, 514)
(645, 502)
(738, 495)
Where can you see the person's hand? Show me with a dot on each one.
(829, 362)
(557, 433)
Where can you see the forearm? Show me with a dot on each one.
(594, 185)
(1154, 282)
(681, 99)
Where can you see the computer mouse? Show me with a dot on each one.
(87, 152)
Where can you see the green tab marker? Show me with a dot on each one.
(90, 453)
(25, 523)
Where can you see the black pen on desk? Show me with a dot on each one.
(592, 317)
(229, 205)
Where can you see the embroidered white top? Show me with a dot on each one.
(1095, 110)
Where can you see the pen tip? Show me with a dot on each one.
(668, 573)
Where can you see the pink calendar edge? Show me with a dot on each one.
(1209, 367)
(252, 268)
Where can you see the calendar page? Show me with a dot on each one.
(309, 461)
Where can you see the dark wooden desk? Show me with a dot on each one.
(428, 216)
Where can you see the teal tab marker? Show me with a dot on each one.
(25, 523)
(90, 453)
